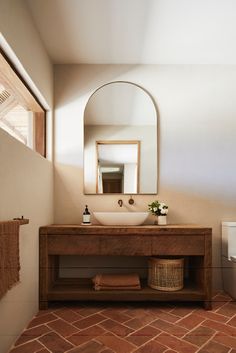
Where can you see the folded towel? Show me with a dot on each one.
(96, 287)
(116, 282)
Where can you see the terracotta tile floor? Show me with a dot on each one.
(132, 327)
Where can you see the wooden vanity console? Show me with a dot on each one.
(191, 242)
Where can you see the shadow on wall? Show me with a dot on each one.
(185, 208)
(89, 79)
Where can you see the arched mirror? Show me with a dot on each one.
(120, 141)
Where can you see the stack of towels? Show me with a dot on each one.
(128, 281)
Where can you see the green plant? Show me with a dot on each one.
(158, 208)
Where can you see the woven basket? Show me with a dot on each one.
(166, 274)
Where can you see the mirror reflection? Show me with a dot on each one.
(117, 167)
(120, 141)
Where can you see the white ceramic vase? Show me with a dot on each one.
(161, 220)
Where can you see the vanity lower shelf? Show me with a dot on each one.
(81, 289)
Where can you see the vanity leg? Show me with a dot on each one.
(43, 272)
(43, 305)
(208, 272)
(207, 304)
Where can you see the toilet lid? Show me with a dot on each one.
(233, 258)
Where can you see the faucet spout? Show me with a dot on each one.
(120, 202)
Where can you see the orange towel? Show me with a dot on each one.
(116, 282)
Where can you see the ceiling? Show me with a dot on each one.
(137, 31)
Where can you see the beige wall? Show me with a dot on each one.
(21, 42)
(18, 29)
(26, 179)
(196, 142)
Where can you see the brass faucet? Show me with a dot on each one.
(120, 202)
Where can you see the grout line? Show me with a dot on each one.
(233, 317)
(173, 324)
(109, 318)
(81, 329)
(200, 324)
(178, 338)
(187, 315)
(222, 306)
(62, 337)
(30, 340)
(43, 323)
(152, 339)
(207, 318)
(43, 346)
(149, 323)
(69, 323)
(121, 338)
(204, 344)
(212, 338)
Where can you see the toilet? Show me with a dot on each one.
(229, 258)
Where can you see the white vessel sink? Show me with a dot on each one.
(121, 218)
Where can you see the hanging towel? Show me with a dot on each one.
(117, 282)
(9, 255)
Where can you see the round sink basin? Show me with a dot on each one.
(121, 218)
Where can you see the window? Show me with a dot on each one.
(21, 115)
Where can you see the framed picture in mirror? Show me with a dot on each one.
(118, 164)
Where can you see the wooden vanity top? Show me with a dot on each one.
(75, 229)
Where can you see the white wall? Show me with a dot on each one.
(197, 137)
(26, 179)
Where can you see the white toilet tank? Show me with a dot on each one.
(229, 257)
(228, 239)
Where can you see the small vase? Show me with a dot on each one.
(162, 220)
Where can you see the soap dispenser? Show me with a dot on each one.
(86, 215)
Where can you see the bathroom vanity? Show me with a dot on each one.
(191, 242)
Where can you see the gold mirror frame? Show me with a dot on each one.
(155, 108)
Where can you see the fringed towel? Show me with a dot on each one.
(116, 282)
(9, 254)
